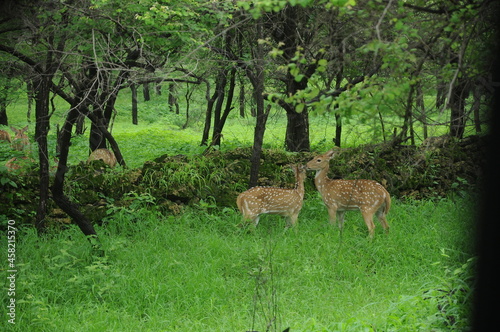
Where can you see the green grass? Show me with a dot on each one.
(199, 272)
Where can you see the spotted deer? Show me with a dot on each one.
(270, 200)
(105, 155)
(339, 196)
(5, 136)
(18, 164)
(21, 140)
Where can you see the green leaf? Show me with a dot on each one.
(299, 108)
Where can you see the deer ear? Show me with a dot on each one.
(330, 154)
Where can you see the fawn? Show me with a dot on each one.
(285, 202)
(21, 140)
(368, 196)
(105, 155)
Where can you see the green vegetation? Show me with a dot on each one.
(199, 272)
(160, 131)
(402, 86)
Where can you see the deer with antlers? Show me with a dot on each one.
(339, 196)
(270, 200)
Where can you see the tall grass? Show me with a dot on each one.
(200, 272)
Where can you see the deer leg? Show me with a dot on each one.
(292, 220)
(332, 213)
(251, 219)
(255, 220)
(382, 219)
(368, 217)
(340, 217)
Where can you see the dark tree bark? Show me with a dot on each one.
(172, 99)
(189, 93)
(208, 116)
(106, 135)
(42, 92)
(256, 77)
(242, 99)
(220, 116)
(145, 92)
(338, 130)
(3, 112)
(459, 93)
(158, 88)
(59, 197)
(286, 30)
(297, 131)
(133, 89)
(216, 100)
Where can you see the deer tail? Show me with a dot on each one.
(387, 203)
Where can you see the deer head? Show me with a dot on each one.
(21, 140)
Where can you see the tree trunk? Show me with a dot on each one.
(459, 94)
(3, 113)
(220, 119)
(189, 93)
(133, 89)
(30, 92)
(42, 127)
(257, 80)
(297, 131)
(172, 99)
(96, 139)
(258, 139)
(287, 32)
(106, 135)
(59, 197)
(158, 89)
(104, 105)
(242, 99)
(208, 116)
(338, 130)
(220, 91)
(421, 106)
(145, 92)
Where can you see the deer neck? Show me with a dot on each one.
(321, 178)
(300, 188)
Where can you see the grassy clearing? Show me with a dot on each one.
(199, 272)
